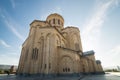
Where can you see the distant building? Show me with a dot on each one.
(13, 70)
(52, 49)
(118, 68)
(5, 67)
(8, 69)
(90, 65)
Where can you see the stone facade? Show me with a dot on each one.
(52, 49)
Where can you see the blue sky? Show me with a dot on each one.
(98, 21)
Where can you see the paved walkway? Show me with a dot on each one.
(101, 77)
(108, 76)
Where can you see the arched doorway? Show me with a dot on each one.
(66, 65)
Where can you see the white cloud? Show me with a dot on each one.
(9, 59)
(116, 2)
(114, 51)
(3, 43)
(13, 3)
(10, 23)
(91, 31)
(111, 57)
(56, 9)
(11, 26)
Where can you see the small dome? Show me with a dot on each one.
(98, 61)
(55, 15)
(56, 20)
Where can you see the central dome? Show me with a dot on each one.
(56, 20)
(55, 15)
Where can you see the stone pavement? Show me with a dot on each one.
(108, 76)
(101, 77)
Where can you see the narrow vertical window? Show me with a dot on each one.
(45, 66)
(35, 54)
(68, 69)
(63, 70)
(53, 21)
(58, 21)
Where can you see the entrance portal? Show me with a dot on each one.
(66, 65)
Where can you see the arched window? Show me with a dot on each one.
(68, 69)
(35, 54)
(53, 21)
(58, 21)
(63, 70)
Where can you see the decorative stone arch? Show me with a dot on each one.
(49, 37)
(74, 34)
(75, 41)
(40, 54)
(66, 65)
(48, 52)
(40, 44)
(63, 44)
(65, 34)
(58, 40)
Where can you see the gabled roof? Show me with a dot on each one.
(37, 21)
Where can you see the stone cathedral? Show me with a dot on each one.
(52, 49)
